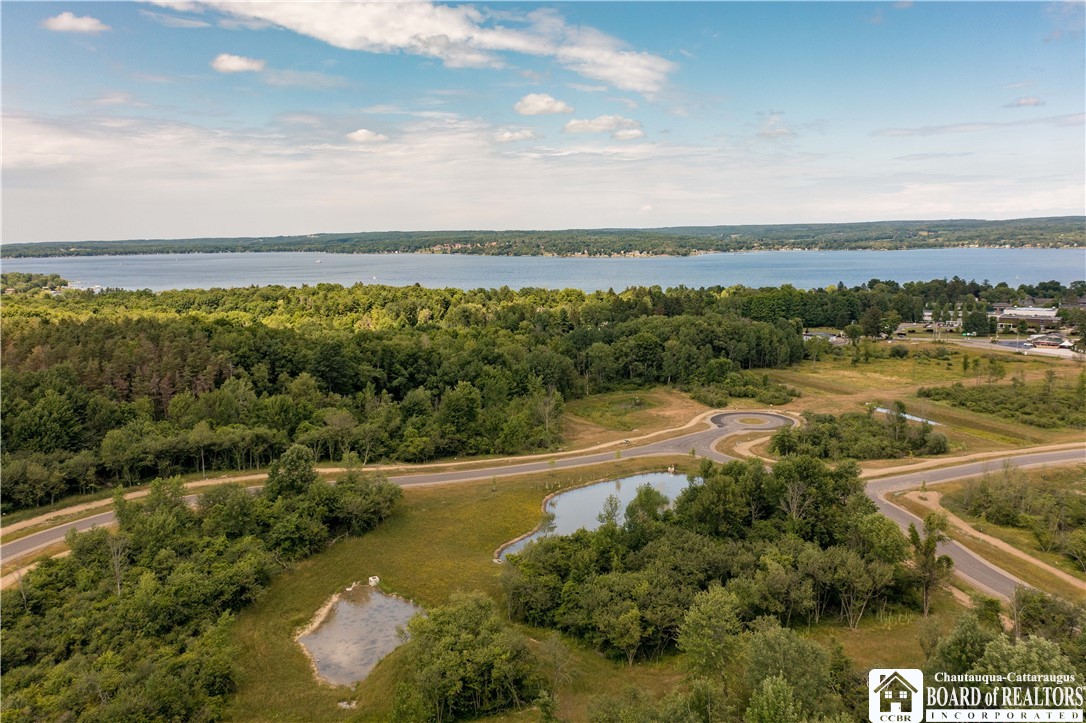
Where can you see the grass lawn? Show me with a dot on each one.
(606, 417)
(441, 540)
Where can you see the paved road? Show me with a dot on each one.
(982, 574)
(720, 426)
(977, 571)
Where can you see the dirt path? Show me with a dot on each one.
(933, 501)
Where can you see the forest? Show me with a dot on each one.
(675, 241)
(122, 386)
(740, 562)
(132, 625)
(857, 435)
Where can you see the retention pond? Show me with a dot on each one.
(359, 628)
(578, 508)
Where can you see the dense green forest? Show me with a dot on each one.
(124, 386)
(133, 624)
(727, 574)
(676, 241)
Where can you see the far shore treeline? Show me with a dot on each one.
(1062, 231)
(123, 386)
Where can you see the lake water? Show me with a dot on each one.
(803, 269)
(578, 508)
(357, 633)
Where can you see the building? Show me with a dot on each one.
(1009, 318)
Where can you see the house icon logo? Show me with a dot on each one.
(895, 696)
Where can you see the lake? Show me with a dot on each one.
(803, 269)
(577, 508)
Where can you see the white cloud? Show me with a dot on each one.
(287, 180)
(365, 135)
(773, 127)
(1030, 101)
(1061, 121)
(69, 23)
(173, 21)
(509, 135)
(303, 79)
(463, 36)
(227, 63)
(541, 104)
(931, 156)
(585, 88)
(118, 98)
(620, 128)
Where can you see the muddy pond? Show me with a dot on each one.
(578, 508)
(356, 633)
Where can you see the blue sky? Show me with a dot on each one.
(181, 119)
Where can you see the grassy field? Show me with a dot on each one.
(441, 540)
(616, 415)
(837, 386)
(889, 640)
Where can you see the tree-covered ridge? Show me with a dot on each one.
(133, 624)
(1059, 231)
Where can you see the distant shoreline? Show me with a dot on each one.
(645, 255)
(1053, 232)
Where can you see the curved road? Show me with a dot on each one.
(980, 573)
(720, 425)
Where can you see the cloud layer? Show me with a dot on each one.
(621, 129)
(461, 36)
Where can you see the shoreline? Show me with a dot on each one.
(548, 255)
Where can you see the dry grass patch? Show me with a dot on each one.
(613, 416)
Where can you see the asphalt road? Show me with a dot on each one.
(982, 574)
(721, 425)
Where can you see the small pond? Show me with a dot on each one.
(356, 633)
(578, 508)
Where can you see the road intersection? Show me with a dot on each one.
(702, 442)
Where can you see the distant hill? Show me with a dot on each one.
(1063, 231)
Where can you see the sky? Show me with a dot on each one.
(195, 119)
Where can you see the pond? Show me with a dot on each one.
(356, 632)
(577, 508)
